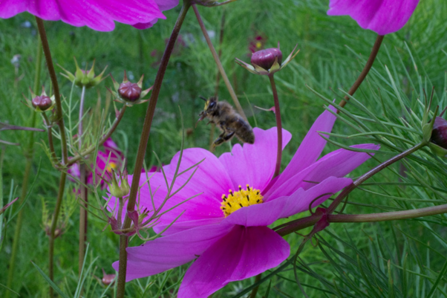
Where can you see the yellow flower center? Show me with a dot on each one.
(111, 166)
(258, 45)
(242, 198)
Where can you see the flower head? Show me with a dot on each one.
(84, 78)
(380, 16)
(129, 93)
(225, 229)
(107, 161)
(42, 102)
(438, 139)
(99, 15)
(268, 61)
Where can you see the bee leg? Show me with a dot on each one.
(223, 138)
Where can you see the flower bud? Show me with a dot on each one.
(82, 77)
(266, 58)
(267, 62)
(119, 188)
(42, 103)
(129, 91)
(107, 279)
(439, 132)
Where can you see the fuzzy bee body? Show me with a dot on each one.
(222, 114)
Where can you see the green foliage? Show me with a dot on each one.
(393, 259)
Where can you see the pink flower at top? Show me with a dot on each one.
(106, 161)
(99, 15)
(225, 229)
(381, 16)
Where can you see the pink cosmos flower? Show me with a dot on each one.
(99, 15)
(106, 161)
(381, 16)
(225, 229)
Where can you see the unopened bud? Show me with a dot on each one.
(266, 58)
(42, 103)
(117, 189)
(439, 132)
(129, 91)
(107, 279)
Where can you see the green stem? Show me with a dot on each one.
(278, 126)
(366, 69)
(29, 152)
(219, 64)
(83, 189)
(143, 144)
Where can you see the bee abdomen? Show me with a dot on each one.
(244, 132)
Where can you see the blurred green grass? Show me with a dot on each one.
(325, 63)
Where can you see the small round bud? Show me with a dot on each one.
(129, 91)
(439, 132)
(266, 58)
(43, 102)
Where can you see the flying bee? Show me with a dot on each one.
(222, 114)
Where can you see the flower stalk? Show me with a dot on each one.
(219, 64)
(366, 69)
(371, 173)
(82, 188)
(60, 123)
(57, 96)
(143, 144)
(309, 221)
(278, 125)
(360, 218)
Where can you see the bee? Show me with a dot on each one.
(222, 114)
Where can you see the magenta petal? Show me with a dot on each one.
(254, 164)
(263, 214)
(166, 4)
(171, 251)
(338, 163)
(311, 147)
(242, 253)
(381, 16)
(97, 14)
(209, 182)
(300, 201)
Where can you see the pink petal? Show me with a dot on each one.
(166, 4)
(263, 214)
(311, 147)
(162, 5)
(210, 182)
(338, 163)
(300, 201)
(99, 15)
(381, 16)
(242, 253)
(171, 251)
(254, 164)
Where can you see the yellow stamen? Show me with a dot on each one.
(258, 45)
(111, 166)
(242, 198)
